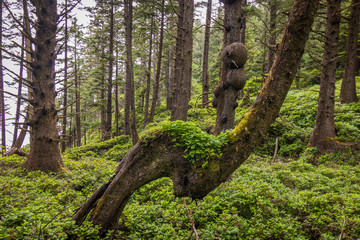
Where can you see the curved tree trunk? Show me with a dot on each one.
(145, 163)
(324, 130)
(348, 86)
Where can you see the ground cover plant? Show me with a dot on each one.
(297, 195)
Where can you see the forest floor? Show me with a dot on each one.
(298, 195)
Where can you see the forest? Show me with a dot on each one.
(179, 119)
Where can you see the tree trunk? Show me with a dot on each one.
(77, 99)
(44, 148)
(273, 4)
(64, 119)
(146, 162)
(324, 130)
(183, 61)
(2, 99)
(102, 95)
(205, 72)
(348, 86)
(158, 67)
(18, 102)
(116, 111)
(108, 127)
(231, 71)
(148, 74)
(130, 118)
(170, 82)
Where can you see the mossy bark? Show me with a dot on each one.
(146, 162)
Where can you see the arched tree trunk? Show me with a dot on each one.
(348, 86)
(146, 162)
(324, 130)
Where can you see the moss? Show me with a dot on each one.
(233, 136)
(198, 146)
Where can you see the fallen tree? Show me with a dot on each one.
(163, 153)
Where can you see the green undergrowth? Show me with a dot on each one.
(37, 205)
(286, 200)
(289, 199)
(296, 121)
(113, 149)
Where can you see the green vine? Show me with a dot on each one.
(199, 146)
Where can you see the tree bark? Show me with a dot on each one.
(102, 95)
(64, 119)
(273, 4)
(348, 86)
(2, 99)
(77, 98)
(183, 61)
(146, 162)
(226, 94)
(324, 130)
(158, 67)
(20, 85)
(205, 72)
(116, 111)
(148, 74)
(44, 148)
(108, 126)
(170, 82)
(130, 117)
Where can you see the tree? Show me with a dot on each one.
(107, 132)
(44, 150)
(130, 118)
(205, 73)
(324, 130)
(232, 76)
(147, 161)
(348, 87)
(183, 61)
(2, 99)
(65, 98)
(158, 66)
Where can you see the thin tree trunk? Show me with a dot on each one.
(324, 130)
(44, 148)
(2, 99)
(77, 99)
(273, 4)
(205, 72)
(130, 117)
(18, 102)
(146, 162)
(116, 111)
(109, 84)
(148, 74)
(183, 61)
(158, 67)
(64, 119)
(348, 86)
(102, 96)
(170, 86)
